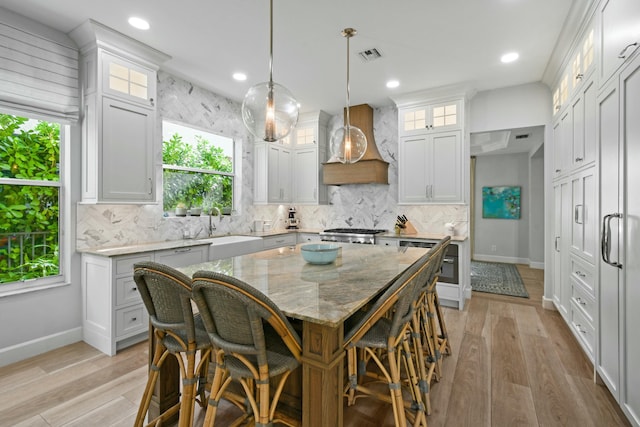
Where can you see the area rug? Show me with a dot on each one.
(497, 278)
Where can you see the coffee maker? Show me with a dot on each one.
(292, 221)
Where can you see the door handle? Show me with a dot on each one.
(556, 243)
(605, 239)
(576, 214)
(623, 52)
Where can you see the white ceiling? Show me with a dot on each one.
(424, 43)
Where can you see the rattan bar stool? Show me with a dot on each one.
(426, 347)
(254, 343)
(431, 319)
(383, 335)
(166, 294)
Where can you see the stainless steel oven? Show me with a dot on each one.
(449, 272)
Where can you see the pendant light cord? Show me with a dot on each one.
(348, 33)
(270, 42)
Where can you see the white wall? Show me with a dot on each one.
(536, 210)
(509, 236)
(511, 107)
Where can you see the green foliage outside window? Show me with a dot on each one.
(196, 175)
(28, 213)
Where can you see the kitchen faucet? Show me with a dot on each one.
(212, 226)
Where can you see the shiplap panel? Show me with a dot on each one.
(38, 71)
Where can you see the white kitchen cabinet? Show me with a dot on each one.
(127, 80)
(430, 117)
(119, 115)
(272, 173)
(279, 241)
(618, 344)
(430, 168)
(309, 153)
(126, 147)
(180, 257)
(584, 225)
(620, 35)
(113, 315)
(562, 231)
(583, 118)
(562, 143)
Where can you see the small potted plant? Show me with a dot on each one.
(181, 209)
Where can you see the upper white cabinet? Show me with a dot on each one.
(289, 171)
(310, 151)
(578, 71)
(430, 168)
(437, 117)
(431, 148)
(272, 173)
(118, 78)
(620, 34)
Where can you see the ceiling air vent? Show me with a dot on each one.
(370, 54)
(523, 136)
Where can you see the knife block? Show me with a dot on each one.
(408, 229)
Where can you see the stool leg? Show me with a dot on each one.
(159, 354)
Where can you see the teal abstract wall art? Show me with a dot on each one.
(501, 202)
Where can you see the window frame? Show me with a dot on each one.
(234, 161)
(64, 208)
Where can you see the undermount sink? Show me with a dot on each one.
(224, 240)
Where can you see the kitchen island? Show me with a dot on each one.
(320, 298)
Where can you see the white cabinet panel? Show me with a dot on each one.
(620, 34)
(430, 168)
(126, 159)
(585, 220)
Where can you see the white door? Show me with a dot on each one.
(445, 167)
(415, 172)
(608, 356)
(630, 135)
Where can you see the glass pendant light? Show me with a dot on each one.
(269, 110)
(348, 143)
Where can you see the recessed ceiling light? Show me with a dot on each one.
(240, 76)
(393, 84)
(138, 23)
(509, 57)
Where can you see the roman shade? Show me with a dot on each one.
(38, 68)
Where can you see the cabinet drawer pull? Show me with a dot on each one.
(580, 274)
(177, 251)
(133, 319)
(557, 170)
(622, 54)
(134, 289)
(579, 76)
(579, 159)
(579, 301)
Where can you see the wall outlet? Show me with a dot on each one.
(493, 248)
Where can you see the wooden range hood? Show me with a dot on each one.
(371, 169)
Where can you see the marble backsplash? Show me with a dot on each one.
(357, 206)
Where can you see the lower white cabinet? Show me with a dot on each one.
(113, 315)
(279, 241)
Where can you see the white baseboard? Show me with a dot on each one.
(18, 352)
(547, 304)
(537, 265)
(496, 258)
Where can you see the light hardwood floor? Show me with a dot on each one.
(513, 364)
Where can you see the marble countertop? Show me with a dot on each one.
(325, 294)
(171, 244)
(175, 244)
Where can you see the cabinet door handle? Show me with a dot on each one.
(151, 101)
(556, 243)
(150, 186)
(579, 76)
(622, 54)
(557, 170)
(605, 239)
(576, 214)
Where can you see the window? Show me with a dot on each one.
(30, 194)
(198, 170)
